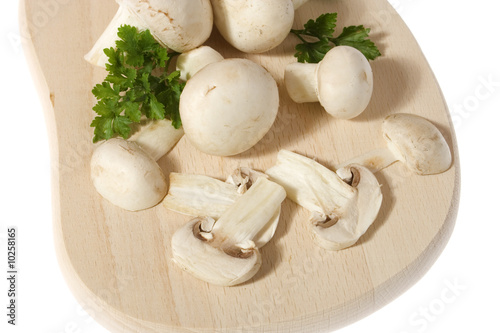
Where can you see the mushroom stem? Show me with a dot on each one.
(189, 63)
(374, 160)
(250, 214)
(123, 16)
(301, 82)
(157, 137)
(298, 3)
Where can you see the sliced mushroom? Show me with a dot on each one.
(224, 252)
(342, 82)
(178, 25)
(126, 173)
(412, 140)
(198, 195)
(341, 212)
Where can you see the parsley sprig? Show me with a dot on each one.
(317, 39)
(137, 84)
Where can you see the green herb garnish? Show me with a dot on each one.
(137, 84)
(317, 39)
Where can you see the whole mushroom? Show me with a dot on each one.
(411, 139)
(342, 82)
(228, 106)
(180, 25)
(126, 173)
(254, 26)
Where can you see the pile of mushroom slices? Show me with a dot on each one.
(222, 116)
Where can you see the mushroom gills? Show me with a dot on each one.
(223, 251)
(341, 211)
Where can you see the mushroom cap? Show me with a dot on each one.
(210, 263)
(253, 26)
(345, 82)
(179, 25)
(228, 106)
(353, 218)
(417, 142)
(127, 176)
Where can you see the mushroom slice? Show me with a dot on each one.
(126, 173)
(341, 212)
(178, 25)
(413, 140)
(199, 195)
(224, 252)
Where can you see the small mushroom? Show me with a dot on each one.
(254, 26)
(126, 173)
(413, 140)
(228, 106)
(191, 62)
(224, 252)
(180, 25)
(341, 211)
(342, 82)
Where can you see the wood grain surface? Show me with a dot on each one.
(118, 264)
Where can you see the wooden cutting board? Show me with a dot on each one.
(118, 264)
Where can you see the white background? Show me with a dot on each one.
(461, 42)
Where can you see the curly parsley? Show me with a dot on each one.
(137, 84)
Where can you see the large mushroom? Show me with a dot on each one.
(180, 25)
(411, 139)
(341, 210)
(126, 173)
(254, 26)
(342, 82)
(228, 105)
(224, 251)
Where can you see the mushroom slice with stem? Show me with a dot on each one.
(341, 212)
(411, 139)
(178, 25)
(224, 252)
(126, 173)
(199, 195)
(342, 82)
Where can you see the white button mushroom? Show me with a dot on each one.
(341, 212)
(224, 252)
(342, 82)
(126, 173)
(228, 106)
(180, 25)
(412, 140)
(254, 26)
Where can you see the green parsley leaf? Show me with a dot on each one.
(357, 37)
(323, 27)
(317, 39)
(312, 52)
(137, 85)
